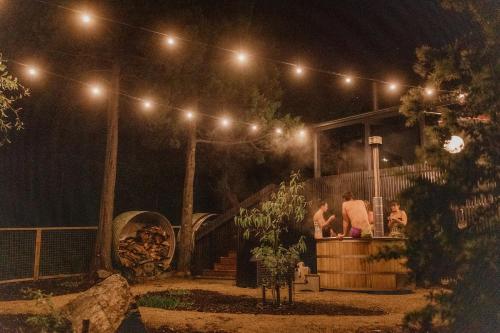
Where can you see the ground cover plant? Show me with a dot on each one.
(211, 301)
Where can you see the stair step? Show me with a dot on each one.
(224, 267)
(227, 261)
(220, 273)
(220, 278)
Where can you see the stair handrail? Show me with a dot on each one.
(229, 214)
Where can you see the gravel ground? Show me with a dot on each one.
(159, 320)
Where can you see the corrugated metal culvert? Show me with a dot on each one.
(143, 244)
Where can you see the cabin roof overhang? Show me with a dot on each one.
(356, 119)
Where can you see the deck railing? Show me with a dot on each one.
(393, 181)
(222, 235)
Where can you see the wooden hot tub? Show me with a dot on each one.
(343, 264)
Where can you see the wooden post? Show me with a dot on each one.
(104, 238)
(375, 95)
(263, 294)
(421, 128)
(38, 246)
(317, 156)
(186, 236)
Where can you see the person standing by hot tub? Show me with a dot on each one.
(354, 213)
(322, 227)
(397, 221)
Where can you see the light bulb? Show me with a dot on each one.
(189, 115)
(429, 91)
(86, 18)
(241, 57)
(455, 145)
(96, 90)
(170, 41)
(147, 104)
(32, 71)
(225, 122)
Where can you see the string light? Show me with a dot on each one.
(302, 134)
(189, 115)
(393, 86)
(96, 90)
(32, 71)
(225, 122)
(242, 57)
(86, 18)
(429, 91)
(455, 145)
(461, 98)
(170, 41)
(147, 104)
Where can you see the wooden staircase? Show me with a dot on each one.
(224, 268)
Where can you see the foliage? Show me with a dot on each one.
(50, 320)
(433, 231)
(436, 248)
(171, 301)
(268, 223)
(11, 91)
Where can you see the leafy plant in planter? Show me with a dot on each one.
(268, 223)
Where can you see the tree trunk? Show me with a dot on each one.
(102, 258)
(186, 239)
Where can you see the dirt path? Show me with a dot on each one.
(394, 305)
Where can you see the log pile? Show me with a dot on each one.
(146, 254)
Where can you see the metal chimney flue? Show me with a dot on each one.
(378, 207)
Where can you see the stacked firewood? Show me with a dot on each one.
(146, 253)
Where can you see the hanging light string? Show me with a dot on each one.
(96, 90)
(189, 114)
(242, 56)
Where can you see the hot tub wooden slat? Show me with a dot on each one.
(345, 265)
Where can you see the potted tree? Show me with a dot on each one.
(267, 224)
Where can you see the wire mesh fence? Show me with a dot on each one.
(37, 253)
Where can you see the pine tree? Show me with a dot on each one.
(466, 74)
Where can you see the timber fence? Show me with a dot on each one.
(393, 181)
(41, 253)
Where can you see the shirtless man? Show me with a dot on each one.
(322, 226)
(354, 213)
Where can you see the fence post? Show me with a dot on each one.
(38, 245)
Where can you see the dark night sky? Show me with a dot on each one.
(51, 173)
